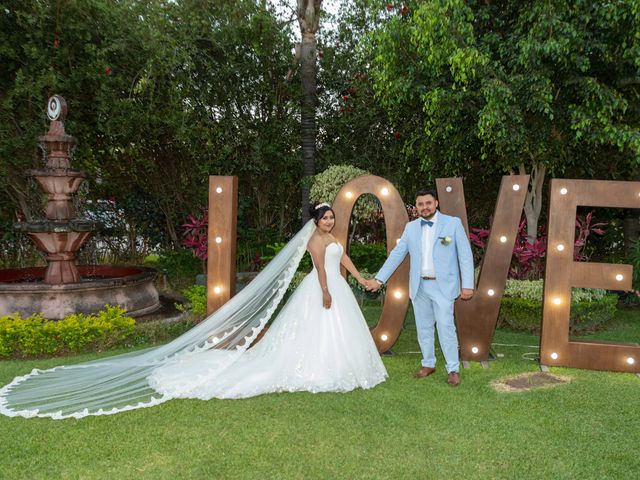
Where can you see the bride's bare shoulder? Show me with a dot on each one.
(316, 242)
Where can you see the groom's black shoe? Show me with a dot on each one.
(424, 372)
(453, 379)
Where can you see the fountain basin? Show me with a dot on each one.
(23, 290)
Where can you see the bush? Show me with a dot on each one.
(533, 290)
(160, 331)
(368, 256)
(179, 263)
(305, 265)
(34, 336)
(326, 185)
(197, 296)
(521, 307)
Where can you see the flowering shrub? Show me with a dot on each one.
(528, 258)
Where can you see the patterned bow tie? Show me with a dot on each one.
(424, 222)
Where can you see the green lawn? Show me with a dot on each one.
(404, 428)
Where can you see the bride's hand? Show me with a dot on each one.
(326, 300)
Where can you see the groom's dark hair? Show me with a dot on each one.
(427, 191)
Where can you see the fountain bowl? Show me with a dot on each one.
(23, 291)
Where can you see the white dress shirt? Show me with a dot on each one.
(428, 237)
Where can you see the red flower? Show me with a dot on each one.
(341, 109)
(345, 98)
(389, 7)
(396, 134)
(107, 70)
(404, 9)
(350, 109)
(56, 44)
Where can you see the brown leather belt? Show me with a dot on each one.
(428, 278)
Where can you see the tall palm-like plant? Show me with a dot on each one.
(309, 18)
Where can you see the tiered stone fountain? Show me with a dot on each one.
(62, 287)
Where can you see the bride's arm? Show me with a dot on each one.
(348, 264)
(317, 248)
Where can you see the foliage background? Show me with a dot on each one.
(162, 94)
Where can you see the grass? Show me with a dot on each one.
(404, 428)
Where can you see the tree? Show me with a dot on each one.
(161, 95)
(352, 126)
(308, 13)
(490, 87)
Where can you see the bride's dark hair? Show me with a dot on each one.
(317, 211)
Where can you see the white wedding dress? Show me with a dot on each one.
(307, 348)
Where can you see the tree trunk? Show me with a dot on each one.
(533, 200)
(308, 17)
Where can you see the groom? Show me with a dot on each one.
(440, 255)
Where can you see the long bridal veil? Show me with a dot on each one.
(120, 383)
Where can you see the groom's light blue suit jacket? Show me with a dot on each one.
(453, 262)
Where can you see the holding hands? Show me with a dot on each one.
(372, 285)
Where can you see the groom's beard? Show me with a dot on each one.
(428, 216)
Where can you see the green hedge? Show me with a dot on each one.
(34, 336)
(368, 256)
(521, 307)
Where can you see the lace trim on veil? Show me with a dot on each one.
(120, 383)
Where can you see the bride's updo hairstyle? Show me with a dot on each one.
(317, 211)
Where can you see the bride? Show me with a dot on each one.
(319, 342)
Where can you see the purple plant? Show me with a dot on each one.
(195, 236)
(528, 258)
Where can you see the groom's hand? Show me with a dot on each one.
(466, 294)
(373, 285)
